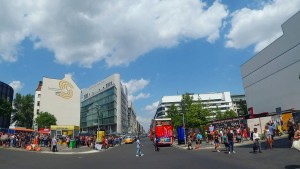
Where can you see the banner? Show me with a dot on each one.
(100, 136)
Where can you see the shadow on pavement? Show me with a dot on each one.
(292, 166)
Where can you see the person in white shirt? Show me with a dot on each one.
(54, 144)
(138, 148)
(256, 141)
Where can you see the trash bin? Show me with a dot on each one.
(72, 143)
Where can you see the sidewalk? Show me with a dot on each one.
(62, 149)
(205, 146)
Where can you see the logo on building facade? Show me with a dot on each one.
(66, 89)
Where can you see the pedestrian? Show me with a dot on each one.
(225, 142)
(230, 140)
(54, 144)
(296, 142)
(138, 148)
(268, 136)
(190, 147)
(155, 143)
(216, 140)
(256, 141)
(199, 137)
(291, 131)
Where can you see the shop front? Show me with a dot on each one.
(63, 131)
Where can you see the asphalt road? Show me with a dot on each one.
(123, 157)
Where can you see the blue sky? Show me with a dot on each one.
(159, 47)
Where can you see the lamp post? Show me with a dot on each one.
(98, 113)
(183, 128)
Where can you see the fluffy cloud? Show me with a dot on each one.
(139, 96)
(152, 108)
(16, 85)
(117, 32)
(145, 121)
(134, 86)
(260, 27)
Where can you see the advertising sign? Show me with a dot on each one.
(223, 124)
(100, 136)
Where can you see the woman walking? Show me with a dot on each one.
(268, 136)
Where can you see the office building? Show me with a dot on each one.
(212, 101)
(104, 106)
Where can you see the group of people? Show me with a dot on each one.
(22, 139)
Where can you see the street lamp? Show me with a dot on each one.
(183, 128)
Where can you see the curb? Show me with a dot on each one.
(235, 145)
(70, 153)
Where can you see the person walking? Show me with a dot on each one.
(138, 148)
(54, 144)
(216, 140)
(155, 143)
(230, 141)
(256, 142)
(291, 131)
(268, 136)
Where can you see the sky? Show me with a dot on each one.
(159, 47)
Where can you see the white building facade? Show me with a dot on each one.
(271, 78)
(59, 97)
(104, 106)
(213, 101)
(132, 122)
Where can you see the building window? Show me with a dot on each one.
(39, 95)
(38, 111)
(38, 103)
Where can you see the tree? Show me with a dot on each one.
(23, 113)
(185, 105)
(219, 115)
(5, 112)
(5, 108)
(243, 107)
(174, 114)
(229, 114)
(45, 119)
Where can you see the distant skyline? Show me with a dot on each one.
(160, 48)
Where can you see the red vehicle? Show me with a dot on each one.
(151, 133)
(163, 131)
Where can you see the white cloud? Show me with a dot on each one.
(16, 85)
(145, 121)
(117, 32)
(139, 96)
(134, 86)
(152, 108)
(260, 27)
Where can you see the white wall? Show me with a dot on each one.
(65, 108)
(271, 78)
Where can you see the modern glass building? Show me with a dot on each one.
(104, 106)
(7, 93)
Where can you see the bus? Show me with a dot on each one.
(163, 131)
(151, 131)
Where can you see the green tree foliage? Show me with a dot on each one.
(219, 115)
(23, 113)
(45, 120)
(176, 117)
(5, 108)
(243, 107)
(195, 115)
(229, 114)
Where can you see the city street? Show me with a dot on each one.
(123, 157)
